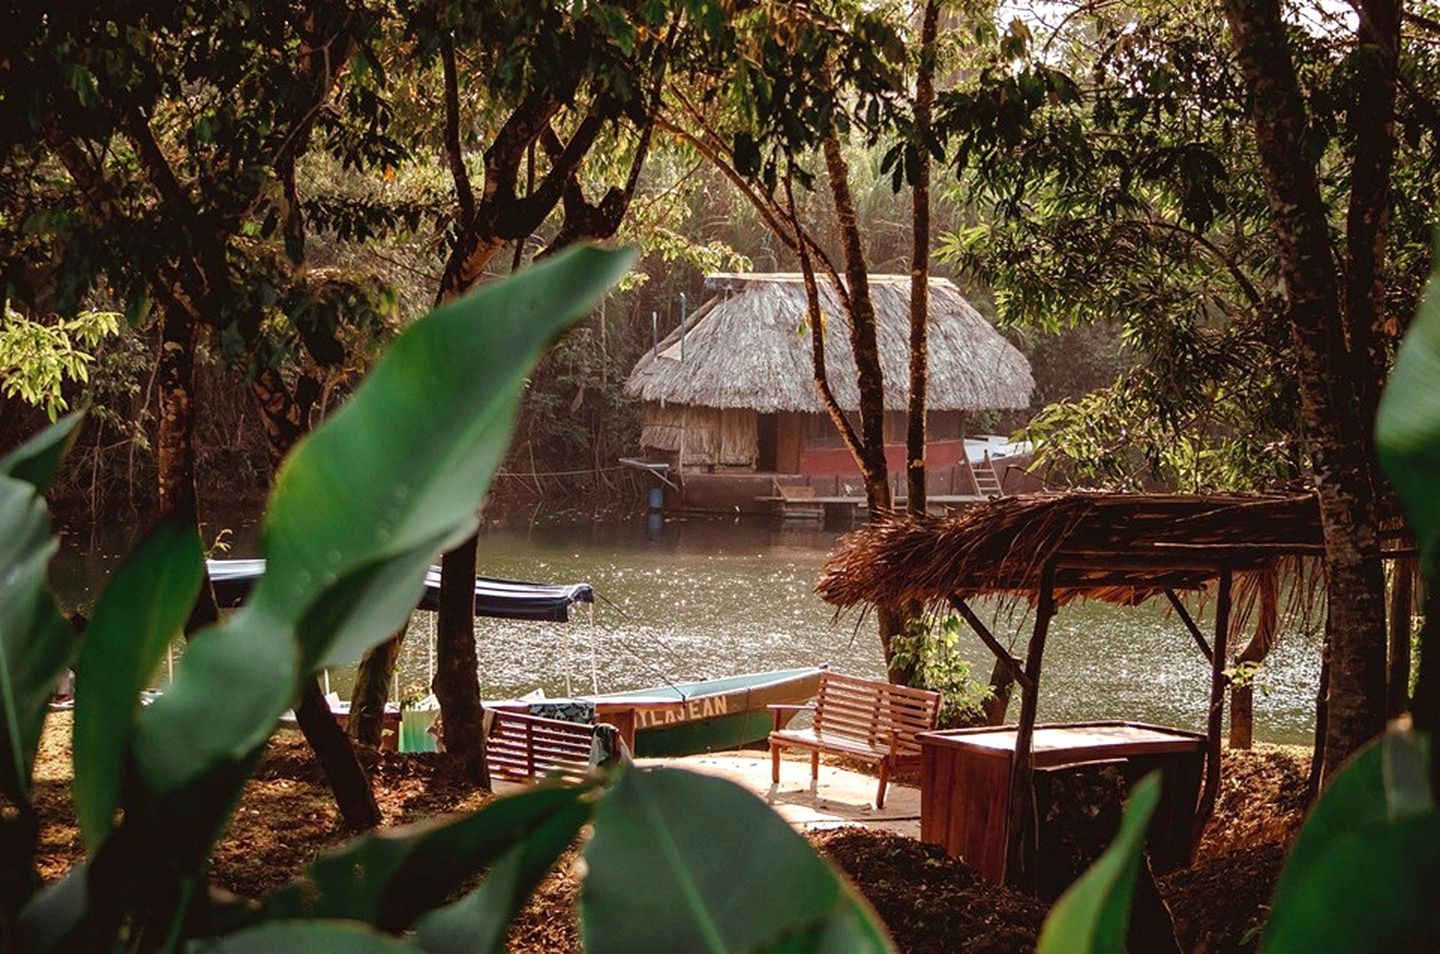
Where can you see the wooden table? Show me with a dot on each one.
(965, 783)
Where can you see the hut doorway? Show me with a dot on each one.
(768, 433)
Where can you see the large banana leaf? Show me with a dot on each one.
(391, 878)
(35, 643)
(1364, 872)
(361, 507)
(37, 461)
(686, 862)
(143, 608)
(1407, 431)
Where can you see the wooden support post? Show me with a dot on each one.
(1002, 655)
(1020, 829)
(1189, 622)
(1215, 724)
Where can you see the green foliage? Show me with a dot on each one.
(930, 647)
(1362, 873)
(37, 359)
(346, 564)
(1407, 432)
(1092, 916)
(142, 610)
(727, 877)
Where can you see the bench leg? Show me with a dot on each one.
(774, 772)
(814, 771)
(884, 780)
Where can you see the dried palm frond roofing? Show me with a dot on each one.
(749, 347)
(1120, 548)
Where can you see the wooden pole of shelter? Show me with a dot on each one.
(1003, 675)
(1020, 829)
(1189, 622)
(1215, 724)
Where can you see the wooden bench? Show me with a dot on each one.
(865, 718)
(525, 748)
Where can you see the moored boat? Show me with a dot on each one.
(710, 715)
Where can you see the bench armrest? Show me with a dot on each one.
(778, 710)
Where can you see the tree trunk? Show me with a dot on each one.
(1001, 684)
(372, 691)
(1335, 432)
(1322, 720)
(863, 342)
(920, 265)
(1402, 619)
(348, 781)
(1242, 693)
(457, 684)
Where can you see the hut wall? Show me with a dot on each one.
(701, 436)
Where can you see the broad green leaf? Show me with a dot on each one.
(312, 937)
(51, 918)
(397, 473)
(1407, 430)
(35, 643)
(1363, 873)
(1093, 915)
(391, 878)
(685, 862)
(37, 461)
(143, 608)
(480, 921)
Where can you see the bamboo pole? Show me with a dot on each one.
(1215, 724)
(1020, 828)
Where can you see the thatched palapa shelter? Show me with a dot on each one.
(1050, 549)
(732, 389)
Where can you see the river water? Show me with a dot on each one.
(702, 598)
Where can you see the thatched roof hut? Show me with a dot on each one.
(749, 347)
(732, 390)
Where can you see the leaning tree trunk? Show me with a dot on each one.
(920, 265)
(284, 424)
(372, 691)
(1327, 367)
(457, 684)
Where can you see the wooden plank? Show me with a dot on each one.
(1011, 664)
(1019, 837)
(1189, 622)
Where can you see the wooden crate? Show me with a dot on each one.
(965, 785)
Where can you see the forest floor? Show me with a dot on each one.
(929, 902)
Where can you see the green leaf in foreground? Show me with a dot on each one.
(685, 862)
(390, 878)
(1093, 915)
(479, 922)
(1407, 430)
(1364, 870)
(37, 461)
(143, 608)
(35, 643)
(372, 495)
(313, 937)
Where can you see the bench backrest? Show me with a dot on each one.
(526, 748)
(870, 711)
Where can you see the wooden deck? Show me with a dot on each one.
(844, 511)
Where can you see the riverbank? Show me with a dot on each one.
(928, 901)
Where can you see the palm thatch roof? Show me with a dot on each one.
(1120, 548)
(749, 347)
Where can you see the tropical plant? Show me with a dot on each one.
(930, 648)
(347, 558)
(38, 359)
